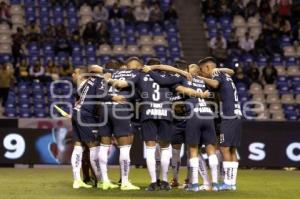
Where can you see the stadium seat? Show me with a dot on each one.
(287, 99)
(147, 51)
(238, 21)
(255, 88)
(270, 89)
(272, 98)
(145, 40)
(85, 10)
(253, 22)
(104, 49)
(133, 50)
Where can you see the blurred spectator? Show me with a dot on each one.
(6, 77)
(5, 15)
(273, 45)
(61, 31)
(33, 32)
(284, 7)
(223, 9)
(240, 77)
(269, 74)
(75, 37)
(17, 46)
(251, 9)
(171, 14)
(66, 70)
(22, 71)
(209, 8)
(267, 25)
(156, 15)
(218, 47)
(115, 12)
(37, 71)
(100, 13)
(49, 34)
(89, 33)
(142, 13)
(52, 70)
(62, 44)
(260, 45)
(275, 23)
(128, 16)
(264, 8)
(102, 34)
(238, 8)
(246, 43)
(253, 73)
(285, 26)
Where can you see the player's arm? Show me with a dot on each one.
(168, 68)
(210, 82)
(165, 81)
(191, 92)
(229, 71)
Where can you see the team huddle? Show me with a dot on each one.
(196, 105)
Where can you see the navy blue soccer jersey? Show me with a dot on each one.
(197, 104)
(230, 105)
(128, 92)
(91, 91)
(155, 97)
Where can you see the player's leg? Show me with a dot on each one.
(158, 164)
(235, 166)
(124, 143)
(175, 163)
(149, 132)
(210, 141)
(88, 173)
(165, 153)
(192, 140)
(203, 171)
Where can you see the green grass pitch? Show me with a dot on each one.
(56, 183)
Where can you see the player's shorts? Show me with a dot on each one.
(200, 131)
(118, 122)
(178, 132)
(156, 130)
(82, 129)
(230, 132)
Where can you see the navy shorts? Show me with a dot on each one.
(200, 131)
(118, 121)
(230, 132)
(82, 131)
(156, 130)
(178, 132)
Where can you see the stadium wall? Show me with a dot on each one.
(47, 141)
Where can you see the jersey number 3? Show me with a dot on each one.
(156, 93)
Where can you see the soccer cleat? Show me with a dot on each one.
(99, 185)
(158, 181)
(108, 185)
(152, 187)
(204, 187)
(233, 187)
(175, 183)
(80, 184)
(128, 187)
(225, 187)
(215, 187)
(185, 185)
(193, 188)
(165, 186)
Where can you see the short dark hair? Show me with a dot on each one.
(113, 64)
(130, 59)
(181, 64)
(153, 61)
(207, 59)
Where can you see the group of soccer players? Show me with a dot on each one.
(168, 106)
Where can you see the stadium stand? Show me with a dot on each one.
(42, 40)
(261, 40)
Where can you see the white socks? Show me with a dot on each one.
(175, 162)
(124, 160)
(213, 164)
(203, 171)
(151, 163)
(220, 167)
(235, 166)
(103, 159)
(194, 166)
(165, 157)
(95, 161)
(76, 159)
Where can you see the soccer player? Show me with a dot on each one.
(230, 119)
(84, 122)
(118, 117)
(199, 128)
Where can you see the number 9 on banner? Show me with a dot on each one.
(15, 146)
